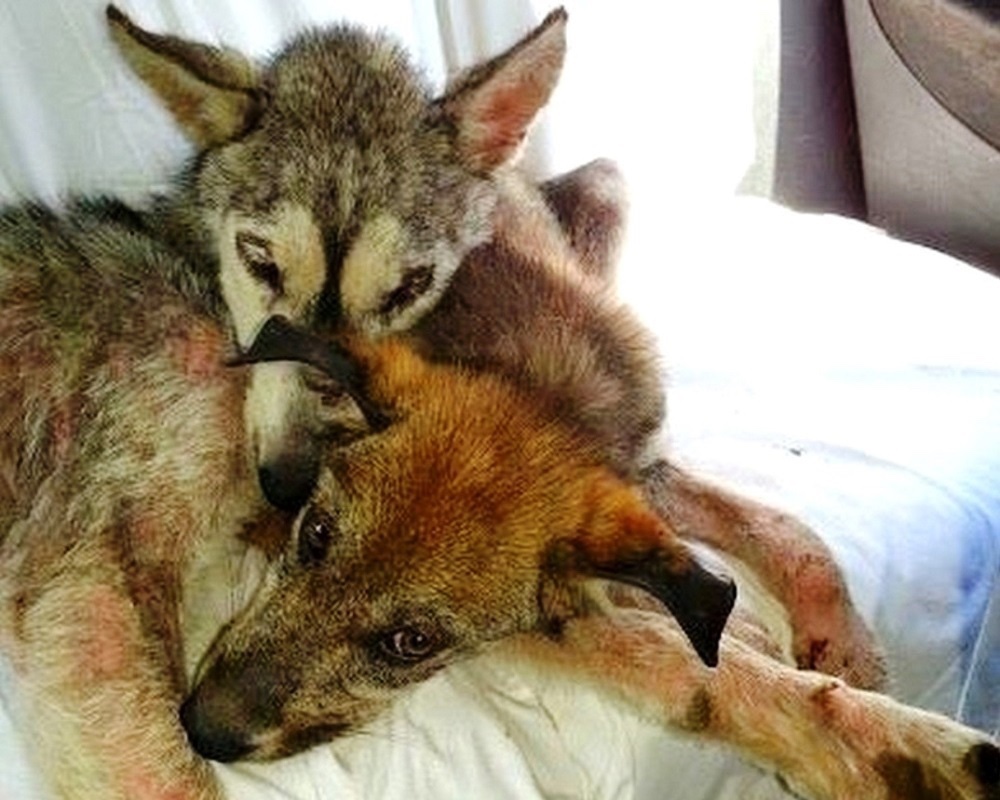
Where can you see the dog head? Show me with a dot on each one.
(466, 514)
(338, 191)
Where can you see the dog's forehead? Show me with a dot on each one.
(345, 132)
(405, 577)
(344, 84)
(413, 516)
(461, 520)
(349, 130)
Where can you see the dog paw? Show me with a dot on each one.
(904, 753)
(836, 641)
(974, 776)
(829, 635)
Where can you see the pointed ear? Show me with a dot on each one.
(626, 542)
(211, 92)
(493, 104)
(280, 340)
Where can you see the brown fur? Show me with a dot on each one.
(109, 496)
(490, 510)
(474, 521)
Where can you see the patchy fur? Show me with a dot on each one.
(124, 455)
(393, 189)
(827, 740)
(332, 184)
(128, 473)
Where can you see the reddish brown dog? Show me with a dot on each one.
(457, 507)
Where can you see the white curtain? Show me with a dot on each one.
(72, 118)
(681, 95)
(666, 91)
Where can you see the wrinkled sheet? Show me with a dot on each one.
(890, 451)
(817, 365)
(813, 363)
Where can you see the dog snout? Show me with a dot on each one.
(210, 735)
(288, 482)
(234, 706)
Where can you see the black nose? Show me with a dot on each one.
(288, 483)
(210, 739)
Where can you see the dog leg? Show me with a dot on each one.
(794, 563)
(827, 740)
(96, 687)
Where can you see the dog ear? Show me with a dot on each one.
(211, 91)
(625, 541)
(280, 340)
(493, 104)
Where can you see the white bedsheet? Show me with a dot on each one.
(822, 367)
(854, 383)
(814, 363)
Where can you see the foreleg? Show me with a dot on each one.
(792, 561)
(96, 693)
(827, 740)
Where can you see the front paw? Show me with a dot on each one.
(972, 775)
(904, 753)
(836, 641)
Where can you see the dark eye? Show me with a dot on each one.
(408, 645)
(255, 252)
(315, 533)
(414, 283)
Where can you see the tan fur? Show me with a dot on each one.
(497, 502)
(522, 306)
(287, 235)
(126, 458)
(339, 123)
(369, 271)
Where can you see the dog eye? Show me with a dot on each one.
(329, 390)
(255, 252)
(408, 645)
(315, 533)
(415, 282)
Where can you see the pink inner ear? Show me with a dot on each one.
(502, 124)
(494, 104)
